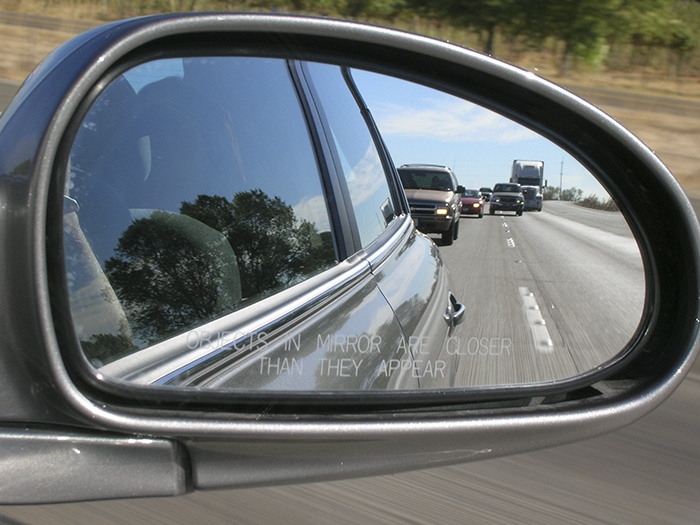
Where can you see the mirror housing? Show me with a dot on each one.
(203, 446)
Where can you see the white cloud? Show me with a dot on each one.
(450, 121)
(313, 209)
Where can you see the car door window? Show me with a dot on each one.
(193, 190)
(358, 156)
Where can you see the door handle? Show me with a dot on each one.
(455, 312)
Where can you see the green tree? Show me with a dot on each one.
(552, 193)
(592, 201)
(273, 247)
(580, 25)
(683, 32)
(644, 24)
(171, 273)
(368, 8)
(638, 19)
(486, 17)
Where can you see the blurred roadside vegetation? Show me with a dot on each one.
(553, 193)
(575, 195)
(593, 201)
(644, 45)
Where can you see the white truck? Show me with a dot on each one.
(530, 175)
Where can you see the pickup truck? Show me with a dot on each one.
(507, 197)
(434, 198)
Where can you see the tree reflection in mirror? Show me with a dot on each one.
(202, 211)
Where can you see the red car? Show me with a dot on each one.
(473, 203)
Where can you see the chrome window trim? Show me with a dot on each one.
(383, 246)
(153, 364)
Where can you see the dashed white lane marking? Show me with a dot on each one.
(540, 335)
(509, 240)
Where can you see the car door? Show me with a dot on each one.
(421, 302)
(221, 273)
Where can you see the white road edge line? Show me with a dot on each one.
(540, 335)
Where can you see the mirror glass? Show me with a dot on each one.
(220, 214)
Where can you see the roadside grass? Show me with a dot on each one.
(592, 201)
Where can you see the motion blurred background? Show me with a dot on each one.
(638, 60)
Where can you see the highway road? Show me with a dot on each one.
(548, 295)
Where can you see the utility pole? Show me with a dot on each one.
(561, 176)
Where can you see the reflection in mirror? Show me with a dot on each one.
(206, 207)
(551, 294)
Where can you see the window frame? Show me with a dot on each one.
(354, 266)
(398, 199)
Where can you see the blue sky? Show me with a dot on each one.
(422, 125)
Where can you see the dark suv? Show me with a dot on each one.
(507, 197)
(434, 197)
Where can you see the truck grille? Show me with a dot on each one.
(422, 209)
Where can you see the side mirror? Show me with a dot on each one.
(203, 331)
(461, 189)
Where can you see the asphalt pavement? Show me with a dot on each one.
(548, 295)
